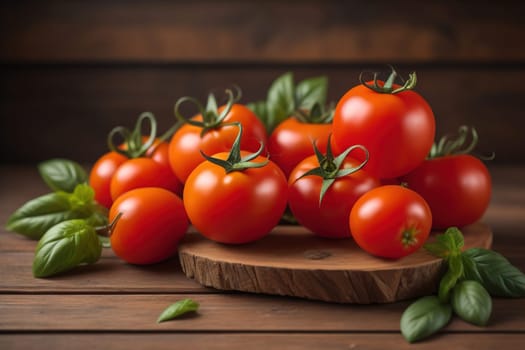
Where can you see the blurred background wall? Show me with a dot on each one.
(72, 70)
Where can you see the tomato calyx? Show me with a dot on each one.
(461, 144)
(388, 87)
(235, 162)
(316, 115)
(133, 145)
(329, 168)
(409, 237)
(211, 117)
(107, 230)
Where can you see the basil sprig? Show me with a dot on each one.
(285, 98)
(177, 309)
(472, 277)
(65, 246)
(424, 317)
(73, 199)
(62, 174)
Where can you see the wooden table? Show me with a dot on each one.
(115, 305)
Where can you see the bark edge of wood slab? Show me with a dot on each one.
(291, 261)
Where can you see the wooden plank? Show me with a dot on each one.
(112, 275)
(68, 111)
(265, 341)
(108, 275)
(297, 31)
(221, 313)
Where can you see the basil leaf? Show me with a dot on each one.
(310, 92)
(62, 174)
(456, 237)
(82, 198)
(65, 246)
(495, 273)
(470, 271)
(38, 215)
(424, 317)
(472, 302)
(448, 243)
(177, 309)
(437, 249)
(281, 100)
(449, 280)
(260, 110)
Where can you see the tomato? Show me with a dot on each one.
(291, 142)
(187, 143)
(330, 218)
(114, 173)
(238, 206)
(390, 221)
(457, 188)
(101, 174)
(152, 223)
(142, 172)
(397, 128)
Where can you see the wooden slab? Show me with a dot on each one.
(291, 261)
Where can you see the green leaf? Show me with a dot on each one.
(62, 174)
(472, 302)
(260, 110)
(495, 273)
(448, 243)
(449, 280)
(437, 249)
(455, 237)
(177, 309)
(65, 246)
(310, 92)
(470, 271)
(82, 198)
(281, 100)
(38, 215)
(424, 317)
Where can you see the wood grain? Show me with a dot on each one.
(291, 261)
(265, 341)
(220, 313)
(269, 31)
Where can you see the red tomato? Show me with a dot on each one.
(291, 142)
(397, 129)
(142, 172)
(133, 175)
(390, 221)
(330, 219)
(457, 189)
(235, 207)
(152, 223)
(187, 142)
(101, 174)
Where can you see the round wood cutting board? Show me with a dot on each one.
(292, 261)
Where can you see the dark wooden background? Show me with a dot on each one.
(71, 70)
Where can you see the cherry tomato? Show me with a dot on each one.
(151, 225)
(390, 221)
(142, 172)
(187, 143)
(291, 142)
(397, 129)
(133, 175)
(330, 218)
(235, 207)
(101, 174)
(456, 187)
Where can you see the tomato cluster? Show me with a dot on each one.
(367, 170)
